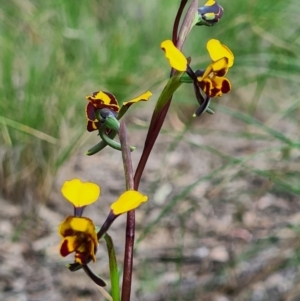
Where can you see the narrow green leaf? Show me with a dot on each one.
(113, 268)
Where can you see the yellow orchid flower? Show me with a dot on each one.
(105, 100)
(212, 80)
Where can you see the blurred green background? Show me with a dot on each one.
(54, 53)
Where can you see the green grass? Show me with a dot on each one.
(54, 53)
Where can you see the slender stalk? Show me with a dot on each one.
(149, 143)
(130, 225)
(177, 20)
(157, 120)
(128, 256)
(126, 156)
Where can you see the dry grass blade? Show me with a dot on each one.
(28, 130)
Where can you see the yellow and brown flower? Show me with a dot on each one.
(79, 236)
(210, 13)
(212, 81)
(97, 101)
(104, 100)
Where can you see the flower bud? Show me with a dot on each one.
(210, 13)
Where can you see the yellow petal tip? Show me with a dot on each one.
(144, 97)
(176, 58)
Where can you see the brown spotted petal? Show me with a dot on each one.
(69, 245)
(215, 86)
(92, 123)
(79, 236)
(206, 86)
(220, 67)
(222, 84)
(212, 81)
(102, 99)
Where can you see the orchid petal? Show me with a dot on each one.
(128, 201)
(143, 97)
(176, 58)
(69, 245)
(218, 51)
(80, 193)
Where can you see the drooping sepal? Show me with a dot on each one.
(99, 281)
(204, 107)
(99, 146)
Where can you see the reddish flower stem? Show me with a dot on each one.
(130, 226)
(157, 121)
(128, 256)
(149, 143)
(177, 20)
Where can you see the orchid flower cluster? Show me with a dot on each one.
(79, 234)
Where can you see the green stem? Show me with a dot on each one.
(102, 144)
(99, 146)
(113, 268)
(109, 141)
